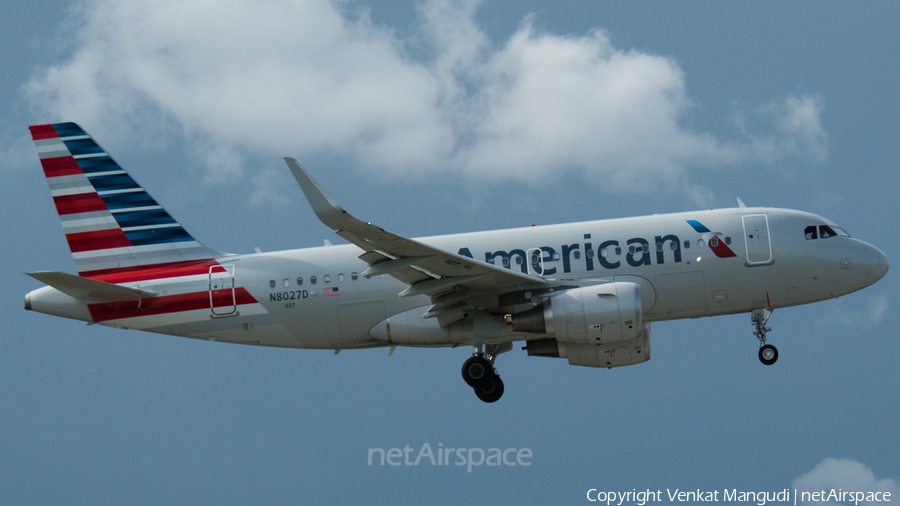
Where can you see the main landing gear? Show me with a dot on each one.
(478, 372)
(768, 354)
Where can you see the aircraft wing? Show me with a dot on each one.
(454, 282)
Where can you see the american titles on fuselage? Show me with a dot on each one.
(609, 254)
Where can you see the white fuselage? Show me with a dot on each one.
(317, 298)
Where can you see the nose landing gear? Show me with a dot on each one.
(478, 372)
(768, 354)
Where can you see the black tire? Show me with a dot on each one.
(490, 391)
(768, 354)
(477, 371)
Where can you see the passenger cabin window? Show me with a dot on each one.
(272, 284)
(354, 276)
(286, 282)
(327, 278)
(299, 281)
(340, 278)
(810, 233)
(312, 280)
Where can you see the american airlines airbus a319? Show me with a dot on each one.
(586, 292)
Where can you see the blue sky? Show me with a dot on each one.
(444, 117)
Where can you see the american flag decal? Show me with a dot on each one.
(330, 292)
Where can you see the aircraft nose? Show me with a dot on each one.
(877, 265)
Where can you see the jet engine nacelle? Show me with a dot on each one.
(617, 354)
(606, 313)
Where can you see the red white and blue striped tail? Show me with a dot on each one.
(111, 223)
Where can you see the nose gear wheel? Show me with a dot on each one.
(768, 354)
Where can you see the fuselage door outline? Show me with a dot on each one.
(222, 300)
(756, 239)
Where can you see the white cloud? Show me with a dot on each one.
(16, 150)
(844, 475)
(268, 187)
(876, 307)
(288, 77)
(791, 126)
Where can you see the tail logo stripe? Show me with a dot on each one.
(116, 182)
(76, 190)
(62, 166)
(146, 272)
(157, 217)
(99, 239)
(88, 224)
(98, 164)
(158, 236)
(78, 203)
(68, 130)
(39, 132)
(123, 201)
(109, 220)
(83, 147)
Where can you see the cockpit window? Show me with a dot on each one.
(841, 232)
(823, 232)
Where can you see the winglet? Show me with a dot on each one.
(325, 207)
(740, 202)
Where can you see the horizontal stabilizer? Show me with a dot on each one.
(89, 289)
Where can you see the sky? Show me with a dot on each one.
(439, 117)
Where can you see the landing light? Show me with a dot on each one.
(699, 258)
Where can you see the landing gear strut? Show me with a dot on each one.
(768, 354)
(478, 372)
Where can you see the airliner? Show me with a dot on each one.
(586, 292)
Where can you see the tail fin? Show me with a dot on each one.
(111, 223)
